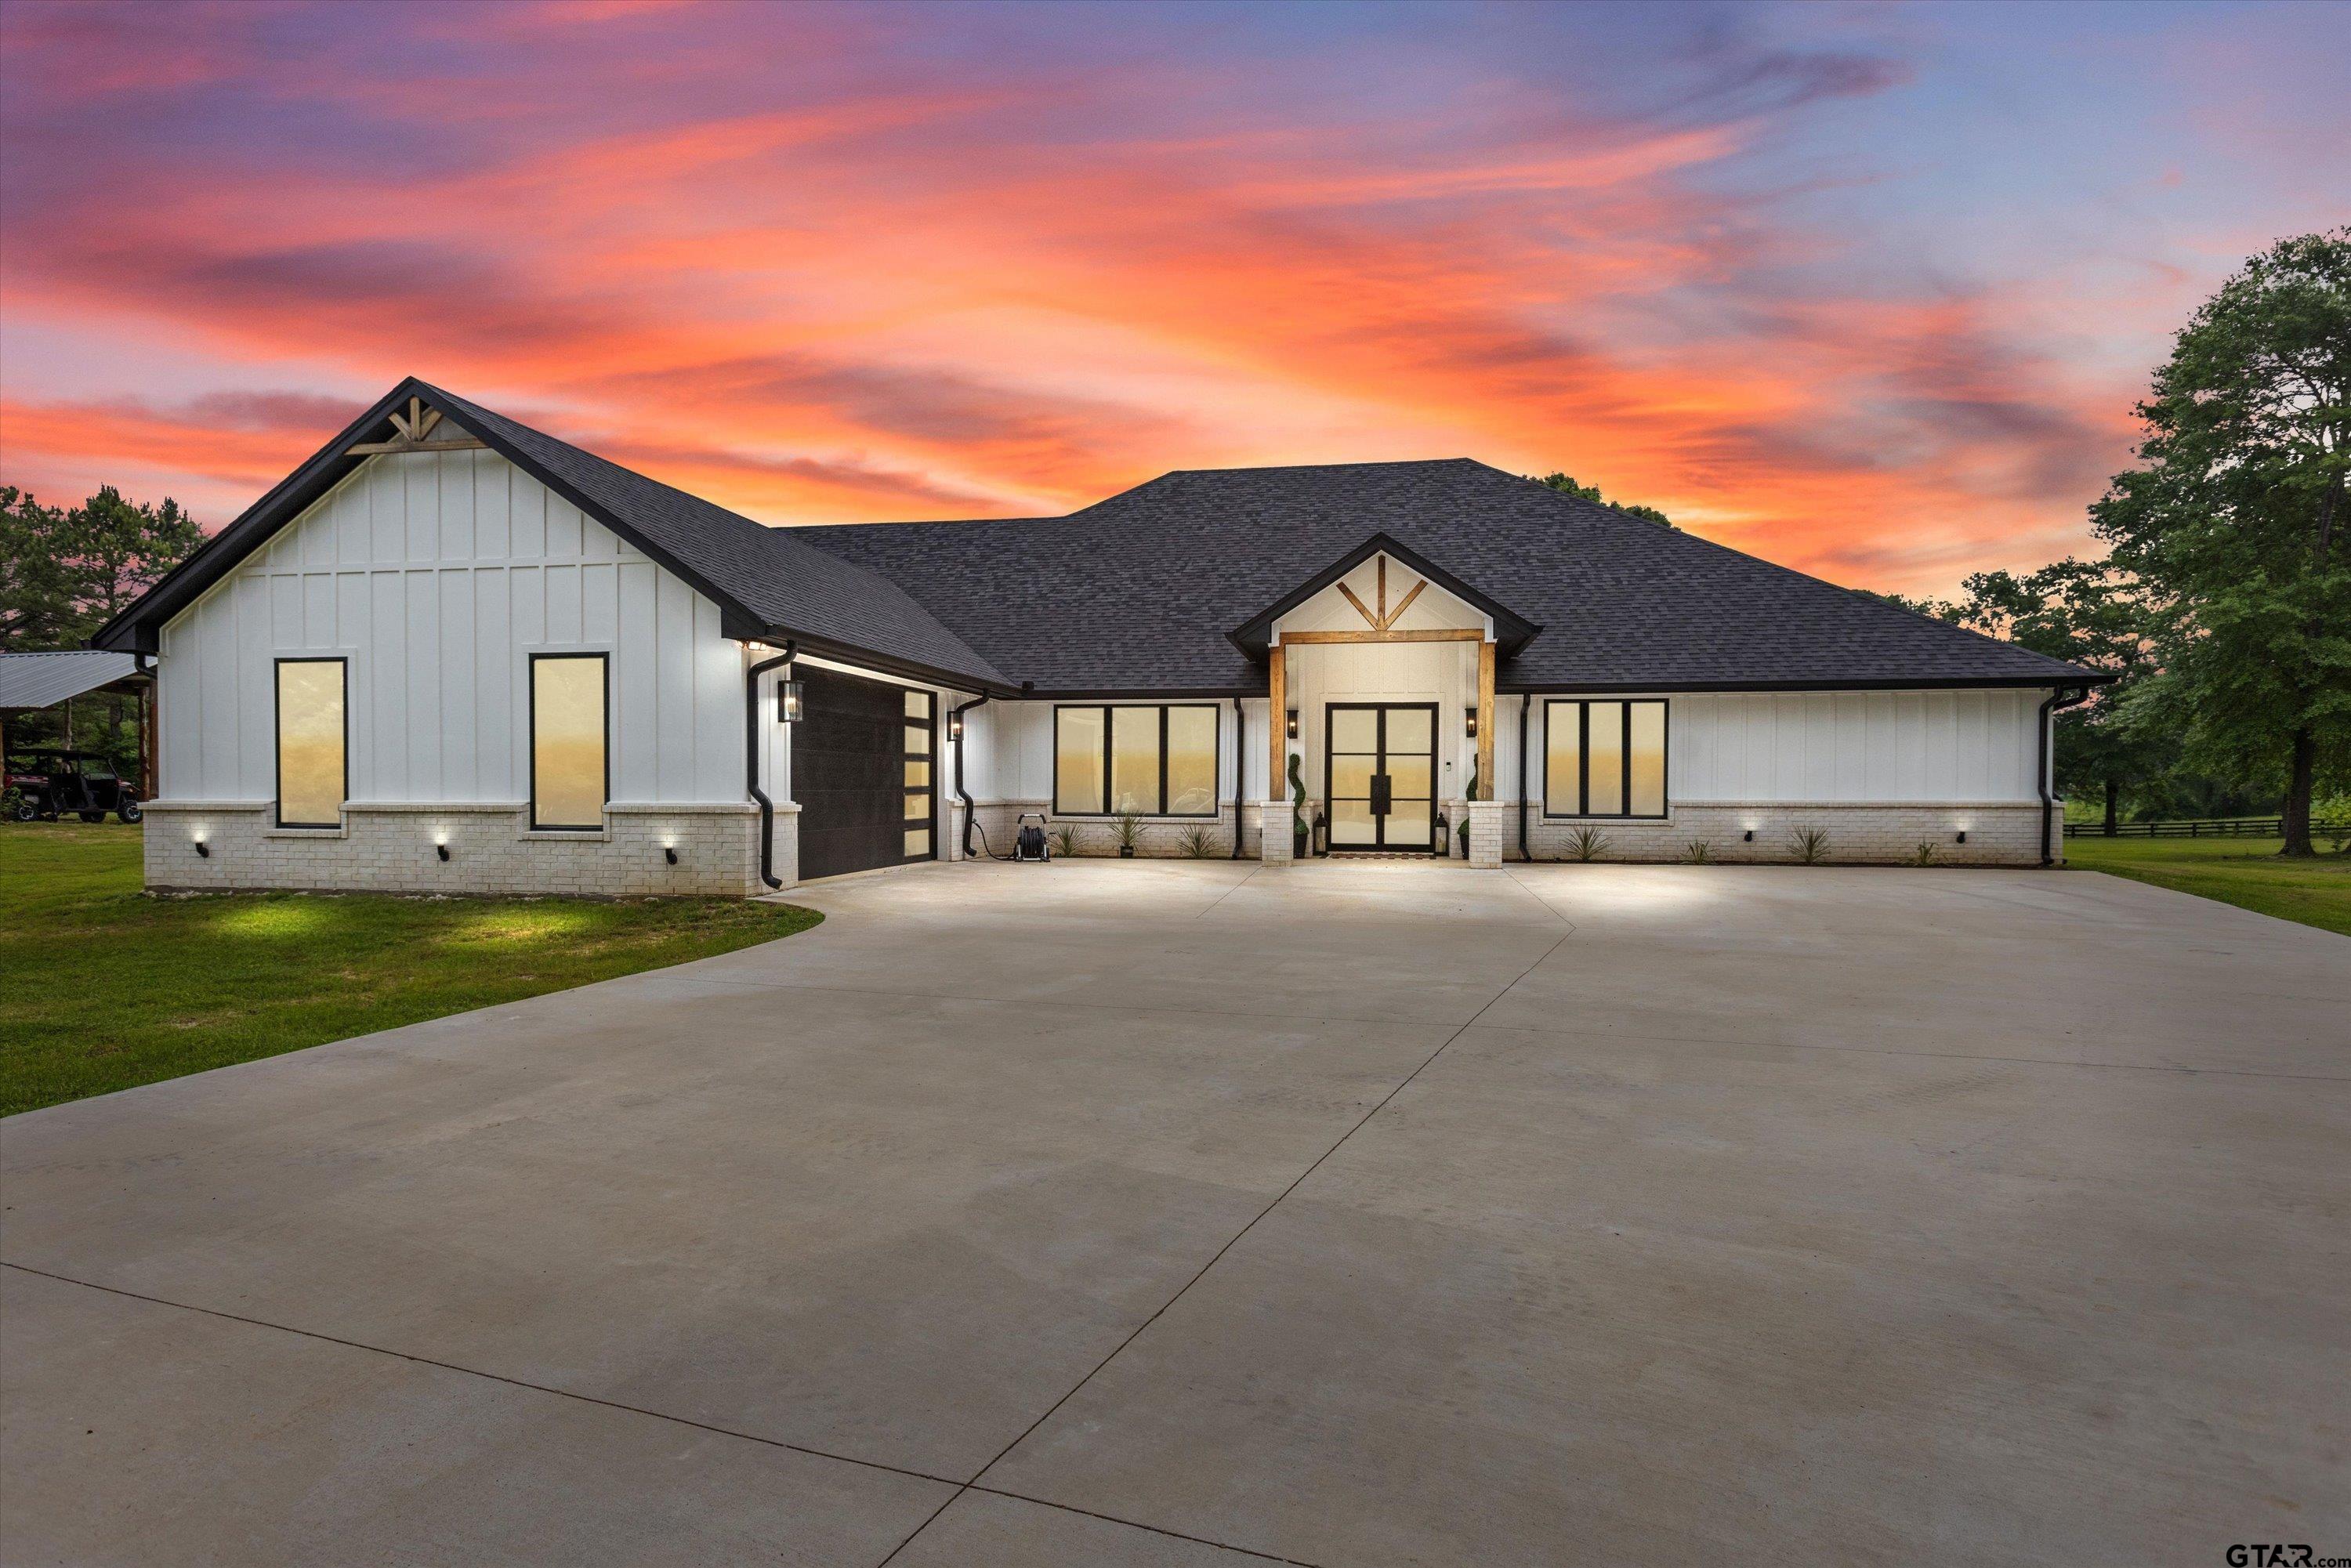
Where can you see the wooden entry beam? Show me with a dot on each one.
(1461, 635)
(1485, 721)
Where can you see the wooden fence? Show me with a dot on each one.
(2205, 828)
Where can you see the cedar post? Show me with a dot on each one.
(1485, 721)
(1276, 735)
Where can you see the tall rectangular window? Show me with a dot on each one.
(567, 780)
(312, 743)
(1192, 761)
(1153, 761)
(1603, 759)
(1134, 760)
(1080, 735)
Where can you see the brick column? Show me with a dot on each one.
(1273, 841)
(1486, 823)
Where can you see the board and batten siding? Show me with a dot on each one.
(438, 575)
(1891, 748)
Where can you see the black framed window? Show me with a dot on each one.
(570, 749)
(1152, 760)
(1604, 757)
(313, 741)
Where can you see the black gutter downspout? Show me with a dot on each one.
(954, 723)
(751, 762)
(1525, 701)
(1240, 769)
(2049, 707)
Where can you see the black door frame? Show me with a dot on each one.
(1427, 844)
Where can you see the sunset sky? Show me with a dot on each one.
(1866, 289)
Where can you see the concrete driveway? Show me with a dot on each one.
(1189, 1213)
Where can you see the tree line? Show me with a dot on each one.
(2222, 607)
(65, 571)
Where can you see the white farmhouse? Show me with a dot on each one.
(451, 652)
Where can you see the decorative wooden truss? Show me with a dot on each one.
(1386, 618)
(415, 434)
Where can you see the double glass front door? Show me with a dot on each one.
(1382, 776)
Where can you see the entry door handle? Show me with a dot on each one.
(1383, 792)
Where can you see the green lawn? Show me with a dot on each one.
(2248, 872)
(102, 987)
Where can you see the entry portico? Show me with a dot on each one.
(1382, 671)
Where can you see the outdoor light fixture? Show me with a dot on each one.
(1469, 718)
(441, 850)
(669, 853)
(1750, 835)
(788, 702)
(203, 850)
(1963, 835)
(1293, 723)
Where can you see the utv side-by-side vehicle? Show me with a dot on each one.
(50, 782)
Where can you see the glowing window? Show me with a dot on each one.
(1153, 761)
(1604, 758)
(1134, 760)
(1192, 761)
(311, 743)
(1079, 736)
(567, 741)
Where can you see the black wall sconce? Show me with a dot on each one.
(1293, 723)
(203, 850)
(954, 726)
(1963, 835)
(441, 850)
(1469, 721)
(669, 853)
(788, 702)
(1749, 835)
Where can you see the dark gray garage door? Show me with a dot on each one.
(862, 762)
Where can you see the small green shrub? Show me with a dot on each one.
(1926, 854)
(1587, 844)
(1197, 844)
(1065, 840)
(1697, 852)
(1809, 845)
(1130, 829)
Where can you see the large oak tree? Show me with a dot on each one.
(2231, 522)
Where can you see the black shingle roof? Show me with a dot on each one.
(1146, 591)
(781, 581)
(1141, 592)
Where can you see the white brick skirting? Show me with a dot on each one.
(1162, 838)
(391, 847)
(2004, 834)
